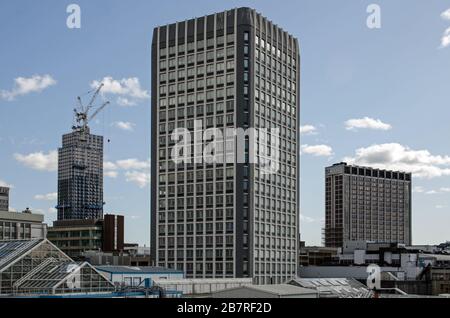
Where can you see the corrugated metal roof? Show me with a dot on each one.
(340, 287)
(282, 289)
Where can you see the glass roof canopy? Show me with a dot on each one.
(39, 267)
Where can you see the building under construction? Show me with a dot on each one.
(80, 168)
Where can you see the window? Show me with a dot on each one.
(200, 58)
(230, 38)
(220, 54)
(210, 82)
(220, 80)
(220, 67)
(246, 36)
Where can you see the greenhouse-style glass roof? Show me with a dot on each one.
(39, 267)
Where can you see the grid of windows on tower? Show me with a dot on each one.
(365, 204)
(227, 219)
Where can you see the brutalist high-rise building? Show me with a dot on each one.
(233, 69)
(80, 175)
(366, 204)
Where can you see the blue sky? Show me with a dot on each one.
(372, 96)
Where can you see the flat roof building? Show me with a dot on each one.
(232, 216)
(77, 236)
(366, 204)
(22, 225)
(138, 275)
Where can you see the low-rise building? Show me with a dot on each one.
(22, 225)
(135, 256)
(77, 236)
(138, 276)
(317, 255)
(405, 268)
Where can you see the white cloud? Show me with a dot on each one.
(445, 39)
(124, 125)
(26, 85)
(52, 210)
(306, 219)
(47, 197)
(109, 169)
(366, 123)
(138, 177)
(135, 171)
(440, 206)
(308, 130)
(129, 90)
(395, 156)
(111, 174)
(122, 101)
(39, 160)
(317, 150)
(418, 189)
(108, 165)
(446, 14)
(133, 164)
(5, 184)
(439, 191)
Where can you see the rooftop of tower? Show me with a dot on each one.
(244, 17)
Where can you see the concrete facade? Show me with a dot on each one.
(22, 226)
(233, 69)
(366, 204)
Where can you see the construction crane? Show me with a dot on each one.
(82, 116)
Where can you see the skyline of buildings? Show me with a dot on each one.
(41, 205)
(226, 218)
(221, 169)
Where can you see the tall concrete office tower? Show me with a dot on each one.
(366, 204)
(233, 69)
(80, 175)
